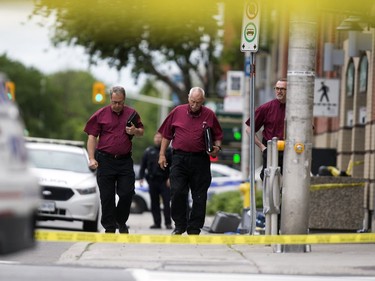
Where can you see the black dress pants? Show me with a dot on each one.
(189, 171)
(115, 176)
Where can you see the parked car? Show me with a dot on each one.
(69, 187)
(224, 178)
(19, 190)
(141, 199)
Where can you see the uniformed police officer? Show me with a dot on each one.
(158, 182)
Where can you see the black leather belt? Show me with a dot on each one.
(114, 156)
(181, 152)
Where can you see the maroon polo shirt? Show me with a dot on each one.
(187, 131)
(271, 116)
(110, 128)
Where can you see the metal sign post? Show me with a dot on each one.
(249, 43)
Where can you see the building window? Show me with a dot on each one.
(363, 74)
(362, 115)
(350, 79)
(349, 118)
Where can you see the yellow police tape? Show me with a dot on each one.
(314, 187)
(66, 236)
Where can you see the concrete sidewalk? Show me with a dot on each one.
(342, 260)
(327, 260)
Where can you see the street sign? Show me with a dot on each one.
(326, 97)
(233, 101)
(250, 26)
(235, 83)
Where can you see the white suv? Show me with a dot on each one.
(69, 187)
(19, 190)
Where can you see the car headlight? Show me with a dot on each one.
(85, 191)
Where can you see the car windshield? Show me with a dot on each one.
(59, 160)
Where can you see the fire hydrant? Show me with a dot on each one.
(245, 189)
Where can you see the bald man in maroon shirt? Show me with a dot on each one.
(271, 116)
(191, 168)
(109, 146)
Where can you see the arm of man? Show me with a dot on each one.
(162, 154)
(257, 141)
(259, 144)
(216, 147)
(138, 132)
(91, 146)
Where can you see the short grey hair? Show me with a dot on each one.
(197, 89)
(117, 90)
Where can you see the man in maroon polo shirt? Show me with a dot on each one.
(270, 116)
(191, 168)
(109, 146)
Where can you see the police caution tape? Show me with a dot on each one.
(315, 187)
(42, 235)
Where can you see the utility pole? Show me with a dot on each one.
(299, 117)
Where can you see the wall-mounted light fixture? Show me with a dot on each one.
(350, 24)
(358, 41)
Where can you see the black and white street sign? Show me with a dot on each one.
(326, 97)
(235, 83)
(233, 101)
(250, 26)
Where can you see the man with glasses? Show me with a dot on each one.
(109, 147)
(270, 116)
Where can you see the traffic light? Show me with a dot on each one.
(236, 158)
(10, 89)
(230, 156)
(237, 135)
(98, 93)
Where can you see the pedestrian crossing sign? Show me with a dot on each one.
(326, 97)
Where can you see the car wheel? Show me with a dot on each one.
(91, 226)
(138, 205)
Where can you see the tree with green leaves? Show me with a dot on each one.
(58, 105)
(72, 91)
(29, 97)
(177, 42)
(52, 106)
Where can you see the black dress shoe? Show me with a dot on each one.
(110, 231)
(155, 226)
(194, 231)
(177, 231)
(123, 229)
(168, 226)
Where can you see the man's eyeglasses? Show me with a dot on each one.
(280, 89)
(117, 102)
